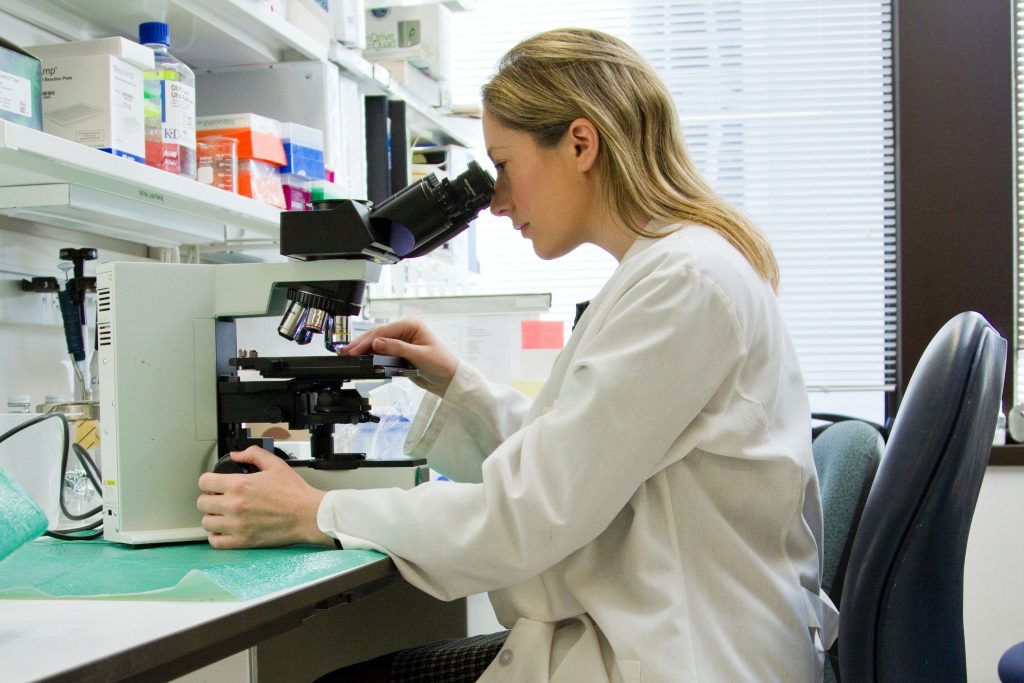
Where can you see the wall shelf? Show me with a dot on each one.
(203, 34)
(54, 181)
(209, 35)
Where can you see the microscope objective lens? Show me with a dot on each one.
(292, 322)
(316, 320)
(337, 334)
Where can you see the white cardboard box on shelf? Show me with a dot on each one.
(348, 19)
(92, 93)
(350, 175)
(311, 18)
(420, 34)
(122, 48)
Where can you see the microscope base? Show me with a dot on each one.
(371, 474)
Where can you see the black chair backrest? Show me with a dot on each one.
(902, 616)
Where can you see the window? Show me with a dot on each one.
(786, 107)
(1018, 70)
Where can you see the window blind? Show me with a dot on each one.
(786, 107)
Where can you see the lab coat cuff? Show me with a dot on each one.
(328, 522)
(822, 617)
(325, 516)
(430, 417)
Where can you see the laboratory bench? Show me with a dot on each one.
(294, 634)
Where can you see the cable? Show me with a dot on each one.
(87, 463)
(69, 534)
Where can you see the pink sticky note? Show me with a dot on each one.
(542, 334)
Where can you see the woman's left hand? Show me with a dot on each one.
(272, 507)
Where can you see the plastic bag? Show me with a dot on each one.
(395, 403)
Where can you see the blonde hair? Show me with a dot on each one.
(547, 81)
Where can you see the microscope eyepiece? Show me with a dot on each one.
(412, 222)
(433, 210)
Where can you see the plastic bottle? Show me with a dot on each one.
(19, 404)
(1000, 436)
(170, 105)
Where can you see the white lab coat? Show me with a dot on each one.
(654, 515)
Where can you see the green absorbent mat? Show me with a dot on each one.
(49, 568)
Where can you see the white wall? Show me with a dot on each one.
(33, 353)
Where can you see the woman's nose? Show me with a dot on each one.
(500, 205)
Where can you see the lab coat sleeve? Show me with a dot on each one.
(654, 367)
(456, 434)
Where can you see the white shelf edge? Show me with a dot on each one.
(139, 190)
(473, 304)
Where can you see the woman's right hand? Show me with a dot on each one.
(410, 339)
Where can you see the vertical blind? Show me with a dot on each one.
(786, 106)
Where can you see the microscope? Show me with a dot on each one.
(174, 399)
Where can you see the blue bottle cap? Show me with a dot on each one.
(154, 32)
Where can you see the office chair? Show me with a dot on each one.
(846, 456)
(902, 615)
(1011, 665)
(826, 420)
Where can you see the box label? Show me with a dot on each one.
(179, 124)
(15, 94)
(95, 101)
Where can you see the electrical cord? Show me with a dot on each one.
(88, 464)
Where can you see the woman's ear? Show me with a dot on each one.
(586, 142)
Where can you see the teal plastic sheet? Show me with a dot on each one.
(21, 520)
(50, 568)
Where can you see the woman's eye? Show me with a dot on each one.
(499, 167)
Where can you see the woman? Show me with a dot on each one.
(654, 513)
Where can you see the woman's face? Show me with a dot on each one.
(545, 192)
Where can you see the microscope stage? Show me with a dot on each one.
(327, 367)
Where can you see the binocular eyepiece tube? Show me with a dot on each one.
(410, 223)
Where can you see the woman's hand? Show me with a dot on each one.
(410, 339)
(272, 507)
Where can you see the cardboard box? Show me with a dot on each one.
(419, 34)
(304, 149)
(261, 180)
(311, 18)
(93, 94)
(259, 137)
(21, 92)
(348, 19)
(122, 48)
(306, 93)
